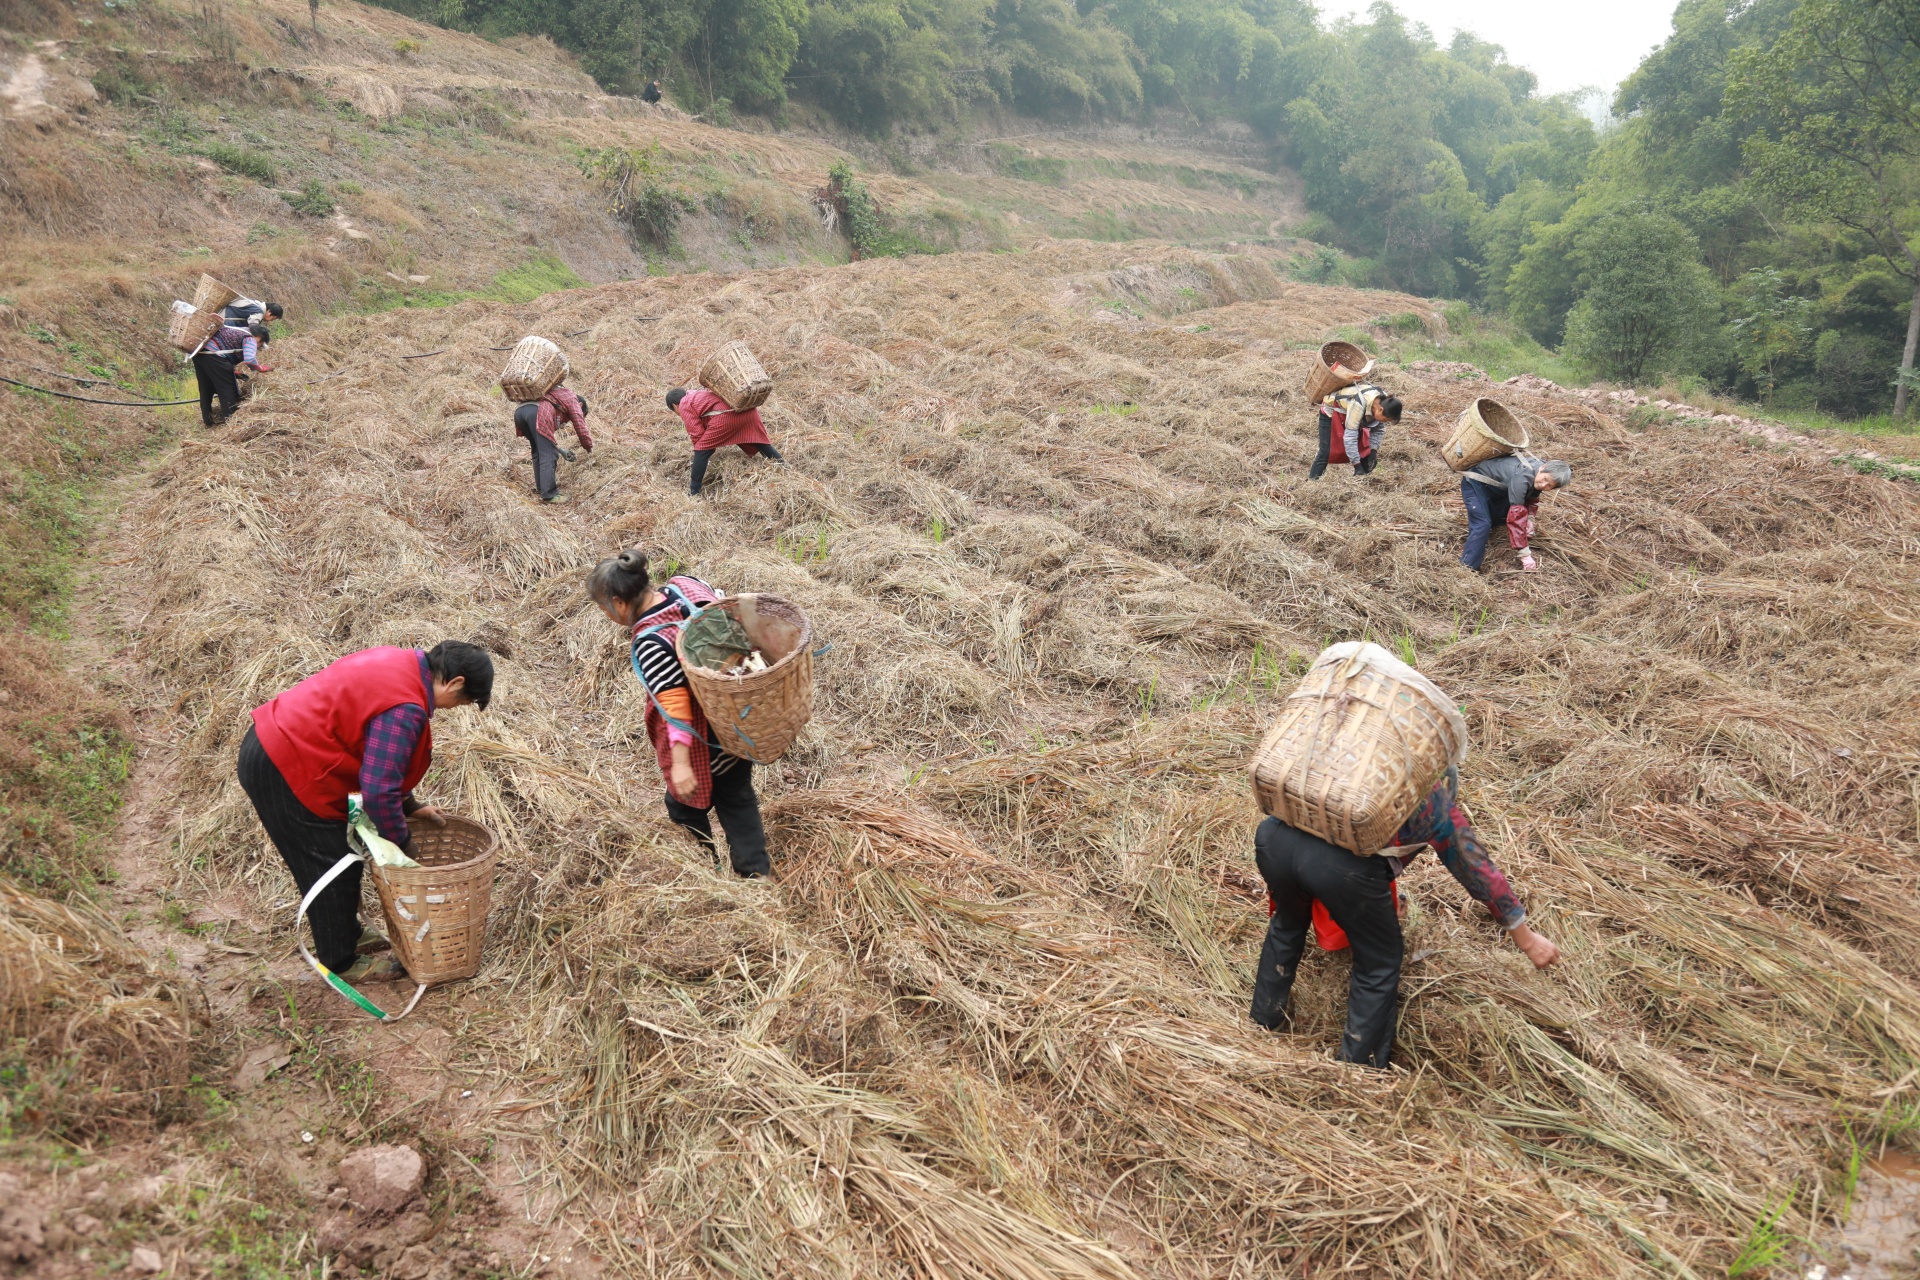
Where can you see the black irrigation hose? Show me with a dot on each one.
(65, 376)
(123, 404)
(422, 355)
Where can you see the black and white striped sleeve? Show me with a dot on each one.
(659, 665)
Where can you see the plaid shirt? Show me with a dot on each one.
(1442, 823)
(561, 403)
(391, 738)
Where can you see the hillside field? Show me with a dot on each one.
(1045, 497)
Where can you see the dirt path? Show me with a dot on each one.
(302, 1078)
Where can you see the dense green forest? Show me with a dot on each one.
(1748, 216)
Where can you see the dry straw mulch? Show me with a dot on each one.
(989, 1019)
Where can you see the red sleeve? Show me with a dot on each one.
(1517, 517)
(569, 404)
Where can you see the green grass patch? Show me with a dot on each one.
(312, 200)
(1017, 162)
(248, 164)
(532, 279)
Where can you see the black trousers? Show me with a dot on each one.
(739, 811)
(1361, 466)
(546, 453)
(1358, 894)
(216, 378)
(703, 456)
(309, 844)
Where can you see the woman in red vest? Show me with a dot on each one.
(362, 724)
(701, 778)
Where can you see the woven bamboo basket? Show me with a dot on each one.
(1357, 748)
(736, 376)
(189, 326)
(1487, 429)
(758, 715)
(437, 912)
(213, 295)
(1322, 381)
(534, 368)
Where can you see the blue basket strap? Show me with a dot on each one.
(633, 656)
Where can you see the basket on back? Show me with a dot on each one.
(1339, 364)
(756, 715)
(1487, 429)
(213, 295)
(534, 368)
(189, 327)
(736, 376)
(1357, 748)
(437, 912)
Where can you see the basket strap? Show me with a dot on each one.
(633, 656)
(327, 975)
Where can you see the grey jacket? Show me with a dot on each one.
(1514, 473)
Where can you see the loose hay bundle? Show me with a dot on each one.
(534, 368)
(1357, 747)
(190, 328)
(756, 715)
(1486, 429)
(736, 376)
(1338, 364)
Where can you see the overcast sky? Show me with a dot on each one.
(1568, 44)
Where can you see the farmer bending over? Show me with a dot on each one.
(362, 724)
(1507, 491)
(245, 311)
(537, 422)
(711, 425)
(1360, 413)
(216, 365)
(1359, 894)
(701, 778)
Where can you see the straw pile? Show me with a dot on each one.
(110, 1036)
(990, 1018)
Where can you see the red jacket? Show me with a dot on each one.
(712, 425)
(316, 732)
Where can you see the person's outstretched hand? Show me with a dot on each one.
(431, 814)
(264, 368)
(1537, 947)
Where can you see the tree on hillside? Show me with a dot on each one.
(1770, 326)
(1840, 94)
(1645, 300)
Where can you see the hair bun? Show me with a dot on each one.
(633, 559)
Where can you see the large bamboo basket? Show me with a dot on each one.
(212, 295)
(437, 912)
(1358, 746)
(189, 327)
(736, 376)
(1487, 429)
(757, 716)
(1322, 381)
(534, 368)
